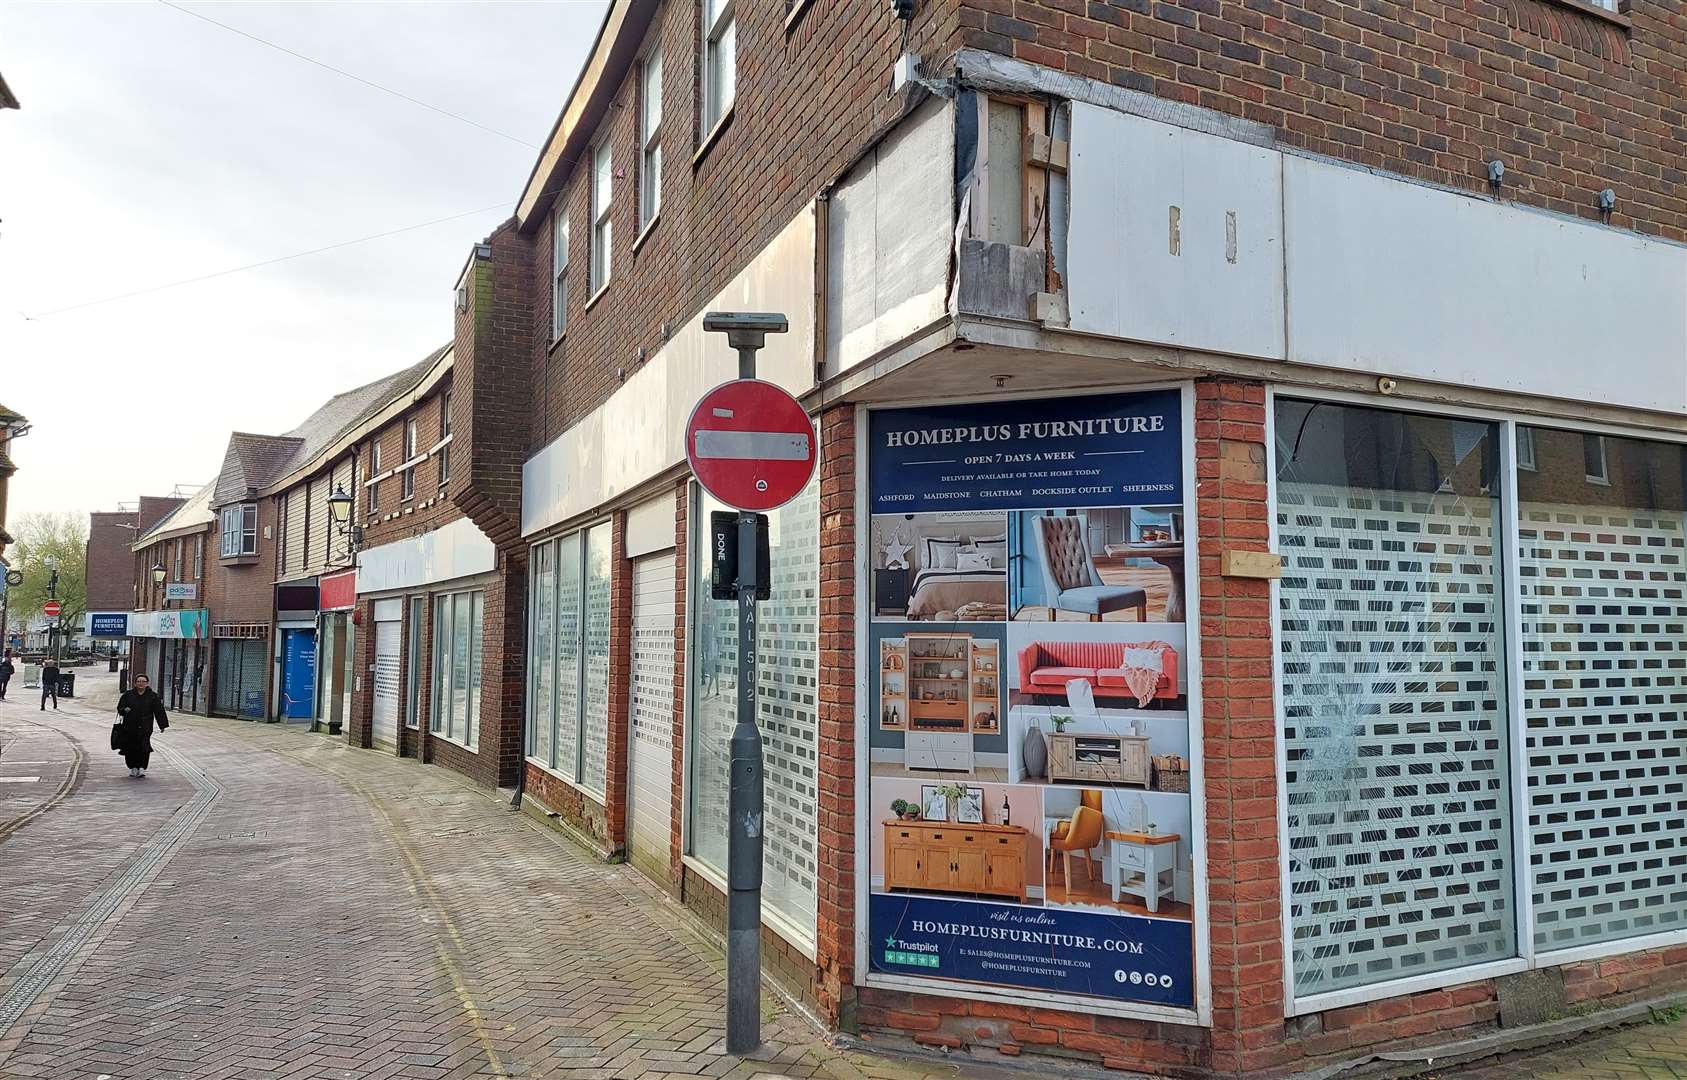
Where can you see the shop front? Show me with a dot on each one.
(336, 632)
(296, 615)
(1030, 825)
(169, 647)
(240, 677)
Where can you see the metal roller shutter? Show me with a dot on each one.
(385, 730)
(651, 717)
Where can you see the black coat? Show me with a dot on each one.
(138, 709)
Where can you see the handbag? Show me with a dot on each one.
(117, 735)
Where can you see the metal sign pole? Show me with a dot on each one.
(745, 805)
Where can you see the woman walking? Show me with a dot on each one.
(137, 709)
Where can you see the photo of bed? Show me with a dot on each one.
(940, 567)
(1110, 564)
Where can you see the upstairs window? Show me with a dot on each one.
(239, 530)
(650, 141)
(444, 433)
(374, 472)
(720, 62)
(407, 485)
(559, 270)
(198, 557)
(602, 176)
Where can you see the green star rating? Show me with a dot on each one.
(911, 959)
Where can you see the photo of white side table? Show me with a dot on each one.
(1139, 860)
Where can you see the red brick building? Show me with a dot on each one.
(438, 602)
(1235, 622)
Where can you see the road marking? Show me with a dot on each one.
(20, 779)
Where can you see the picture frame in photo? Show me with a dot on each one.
(934, 805)
(969, 808)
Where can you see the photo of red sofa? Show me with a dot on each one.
(1045, 667)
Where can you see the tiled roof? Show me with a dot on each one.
(252, 462)
(343, 412)
(7, 416)
(7, 468)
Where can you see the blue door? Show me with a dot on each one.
(298, 673)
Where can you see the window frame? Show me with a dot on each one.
(199, 557)
(232, 523)
(1603, 476)
(407, 483)
(554, 765)
(374, 484)
(443, 720)
(1526, 460)
(650, 141)
(444, 434)
(714, 113)
(602, 203)
(559, 269)
(1529, 956)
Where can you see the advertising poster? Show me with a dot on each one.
(1029, 730)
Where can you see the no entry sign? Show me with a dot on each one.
(51, 609)
(751, 445)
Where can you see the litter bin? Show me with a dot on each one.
(67, 684)
(112, 663)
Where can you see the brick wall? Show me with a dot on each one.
(1433, 89)
(108, 565)
(835, 880)
(808, 99)
(430, 505)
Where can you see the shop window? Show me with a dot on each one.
(594, 728)
(457, 667)
(541, 691)
(1394, 695)
(1602, 578)
(789, 642)
(569, 681)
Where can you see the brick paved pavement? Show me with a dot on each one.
(305, 910)
(1646, 1052)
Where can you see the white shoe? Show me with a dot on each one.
(134, 772)
(142, 774)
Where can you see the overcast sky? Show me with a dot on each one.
(152, 146)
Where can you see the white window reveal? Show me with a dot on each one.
(602, 180)
(650, 141)
(1593, 458)
(444, 436)
(720, 62)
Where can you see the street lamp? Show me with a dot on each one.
(158, 574)
(339, 505)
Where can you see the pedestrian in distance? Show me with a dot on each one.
(139, 706)
(7, 670)
(49, 683)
